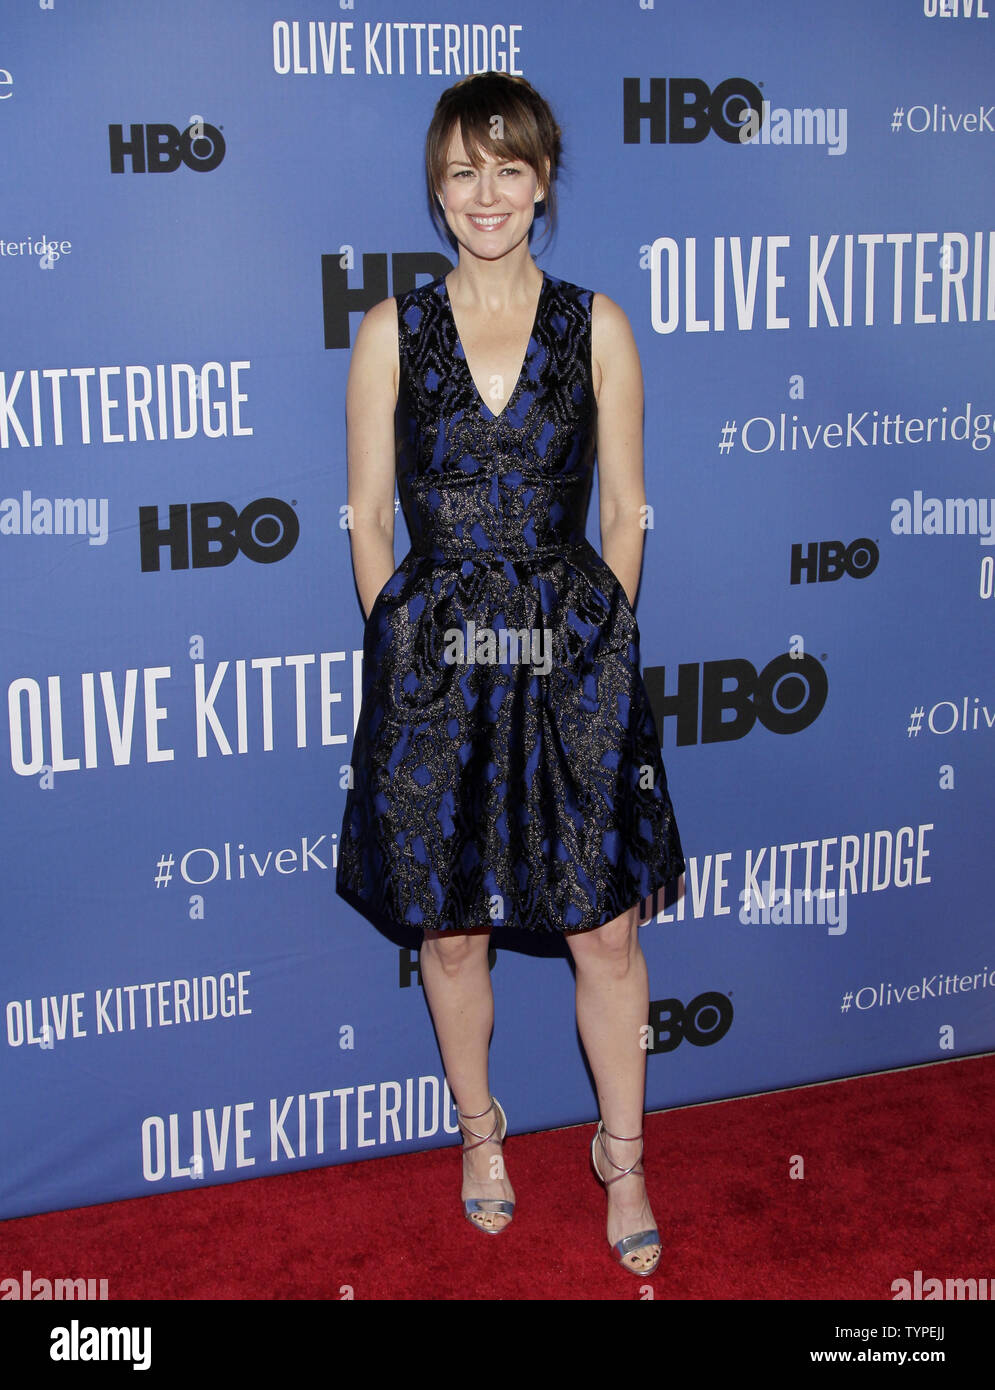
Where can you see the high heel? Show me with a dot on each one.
(639, 1240)
(486, 1206)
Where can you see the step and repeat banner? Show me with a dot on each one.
(794, 206)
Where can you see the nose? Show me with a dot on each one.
(487, 193)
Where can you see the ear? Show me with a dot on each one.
(542, 192)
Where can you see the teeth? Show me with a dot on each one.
(488, 221)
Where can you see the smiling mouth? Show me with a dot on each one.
(487, 224)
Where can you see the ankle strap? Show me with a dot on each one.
(483, 1112)
(620, 1172)
(620, 1137)
(480, 1138)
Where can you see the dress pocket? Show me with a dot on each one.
(383, 592)
(613, 585)
(376, 604)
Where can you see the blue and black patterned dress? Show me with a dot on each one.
(506, 767)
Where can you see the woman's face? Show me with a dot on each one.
(489, 210)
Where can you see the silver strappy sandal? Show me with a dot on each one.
(486, 1206)
(639, 1240)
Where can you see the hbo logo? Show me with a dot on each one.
(704, 1021)
(786, 696)
(208, 534)
(161, 149)
(823, 560)
(683, 110)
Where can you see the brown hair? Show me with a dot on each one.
(530, 133)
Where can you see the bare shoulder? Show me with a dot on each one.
(375, 351)
(378, 328)
(613, 346)
(608, 318)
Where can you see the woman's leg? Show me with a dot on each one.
(612, 1010)
(457, 981)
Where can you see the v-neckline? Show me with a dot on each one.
(461, 351)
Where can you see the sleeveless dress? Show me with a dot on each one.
(506, 769)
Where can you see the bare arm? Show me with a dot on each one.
(371, 395)
(621, 488)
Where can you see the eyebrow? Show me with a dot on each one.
(465, 163)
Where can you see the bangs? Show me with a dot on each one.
(477, 129)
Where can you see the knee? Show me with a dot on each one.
(611, 947)
(452, 952)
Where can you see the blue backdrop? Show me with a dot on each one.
(794, 207)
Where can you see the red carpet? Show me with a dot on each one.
(897, 1178)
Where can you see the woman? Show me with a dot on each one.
(506, 764)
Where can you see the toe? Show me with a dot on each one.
(642, 1261)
